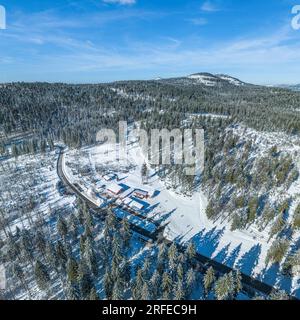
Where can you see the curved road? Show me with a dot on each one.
(251, 286)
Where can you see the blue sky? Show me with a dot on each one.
(106, 40)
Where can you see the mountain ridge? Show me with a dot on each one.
(205, 79)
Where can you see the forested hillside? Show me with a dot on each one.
(251, 175)
(74, 113)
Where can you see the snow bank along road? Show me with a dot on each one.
(250, 285)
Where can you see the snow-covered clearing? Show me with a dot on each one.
(231, 80)
(206, 80)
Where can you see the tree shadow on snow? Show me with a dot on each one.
(249, 260)
(230, 260)
(207, 242)
(270, 274)
(165, 217)
(221, 256)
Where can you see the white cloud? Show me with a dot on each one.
(208, 6)
(266, 55)
(198, 21)
(121, 2)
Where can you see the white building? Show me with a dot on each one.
(136, 205)
(115, 189)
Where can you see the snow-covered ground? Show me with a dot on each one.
(185, 217)
(203, 79)
(31, 176)
(211, 80)
(231, 80)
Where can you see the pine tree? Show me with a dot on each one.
(144, 173)
(190, 281)
(138, 284)
(26, 245)
(72, 292)
(115, 270)
(209, 279)
(167, 295)
(117, 250)
(145, 294)
(225, 287)
(146, 269)
(40, 242)
(118, 292)
(88, 232)
(82, 245)
(166, 285)
(172, 255)
(94, 295)
(85, 283)
(162, 257)
(279, 295)
(155, 285)
(62, 227)
(42, 276)
(90, 257)
(191, 253)
(238, 282)
(18, 272)
(68, 248)
(51, 256)
(72, 271)
(61, 255)
(14, 249)
(179, 292)
(73, 226)
(180, 272)
(126, 232)
(89, 221)
(108, 284)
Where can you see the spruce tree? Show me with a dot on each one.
(62, 227)
(40, 242)
(61, 255)
(18, 272)
(126, 272)
(190, 281)
(166, 285)
(172, 255)
(145, 294)
(126, 232)
(238, 281)
(72, 292)
(72, 271)
(155, 283)
(85, 283)
(180, 272)
(42, 276)
(209, 279)
(138, 284)
(191, 253)
(118, 292)
(93, 295)
(179, 292)
(108, 284)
